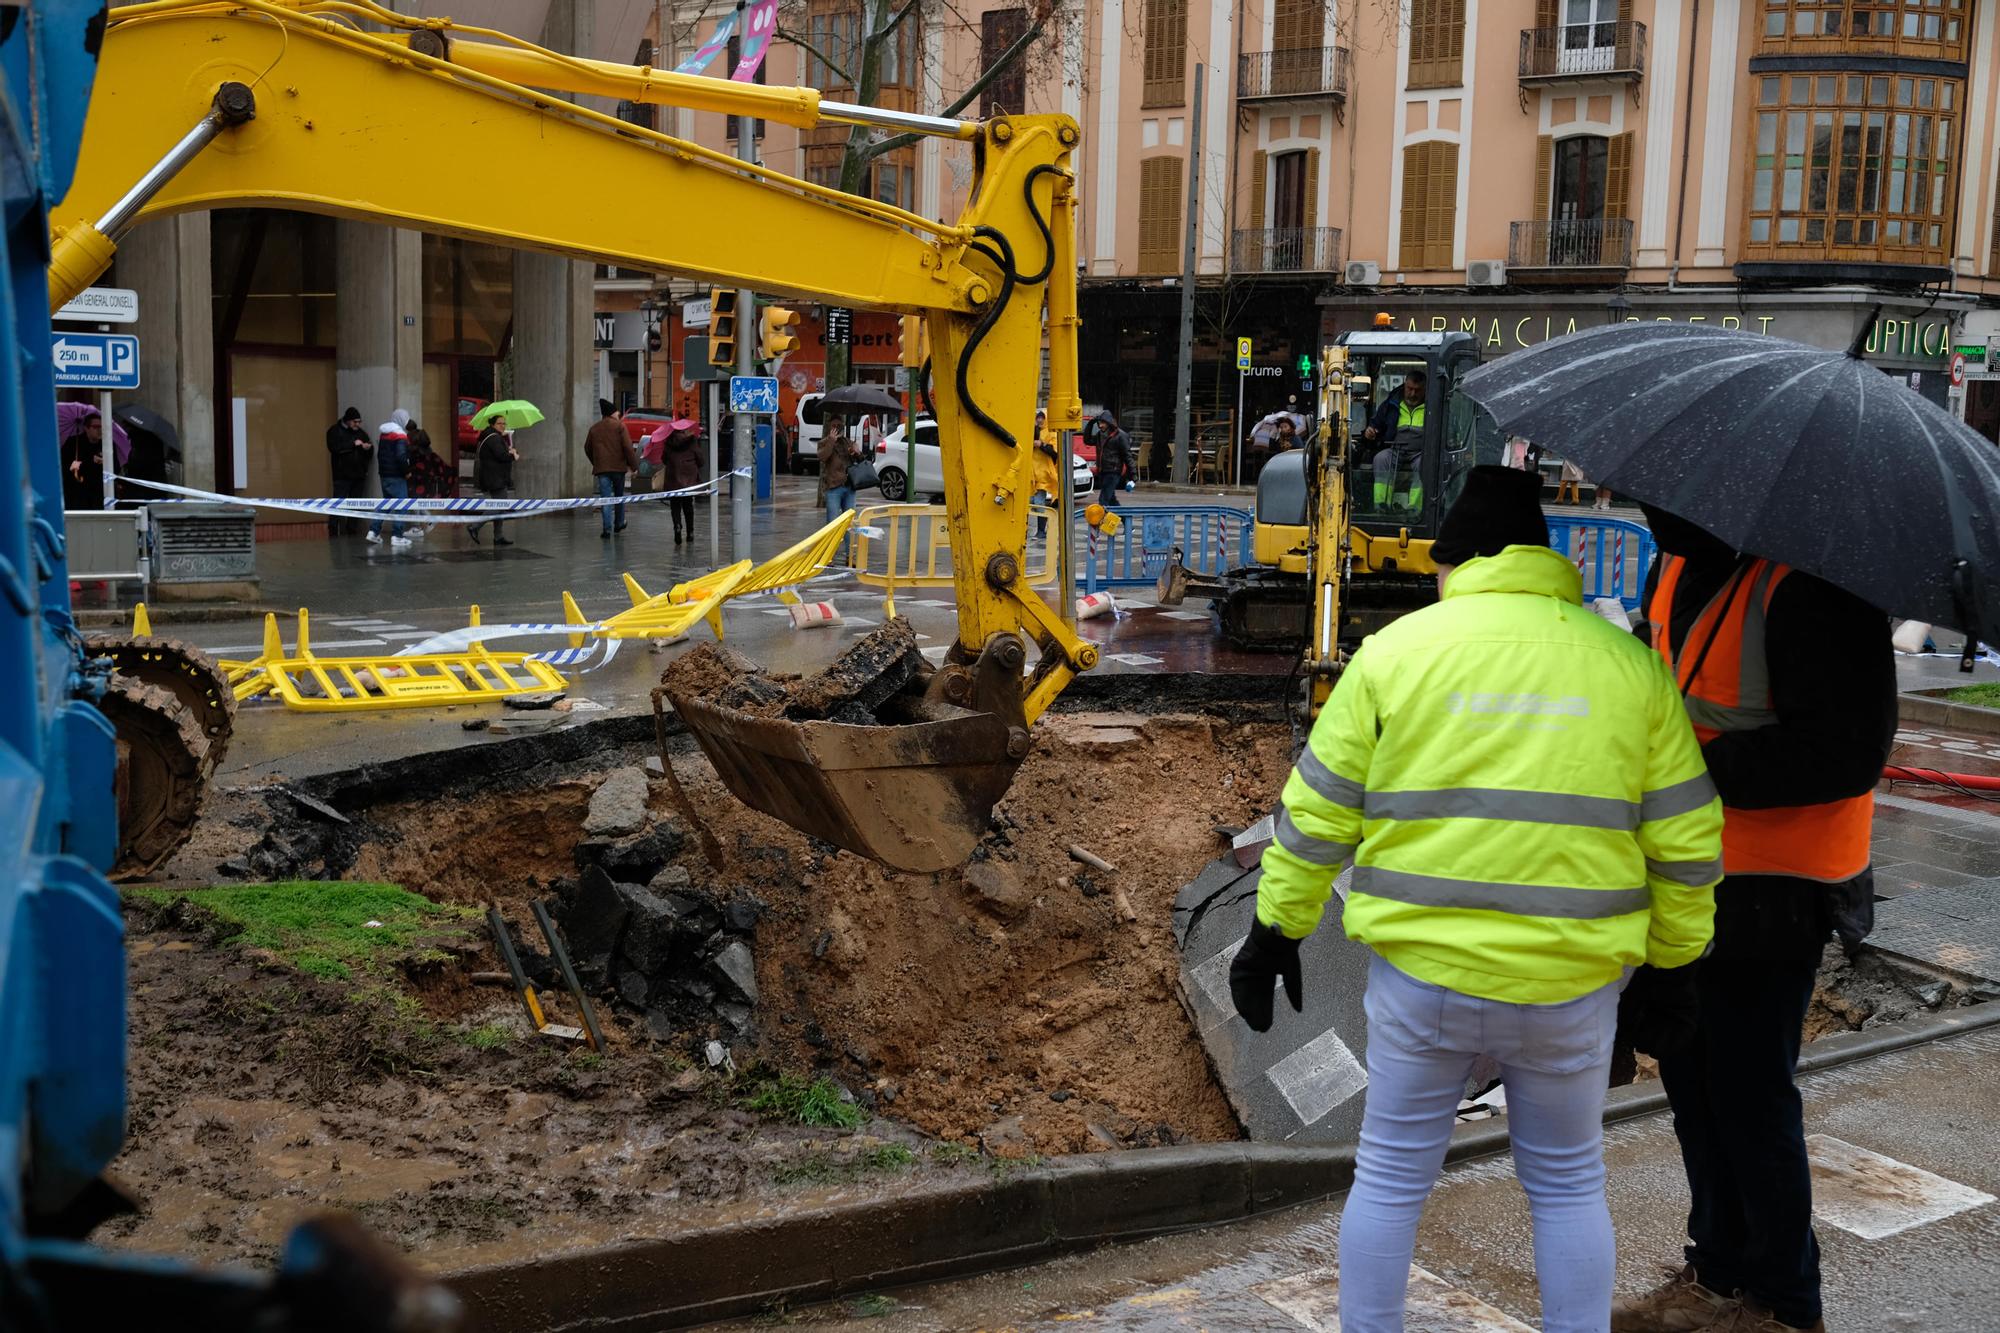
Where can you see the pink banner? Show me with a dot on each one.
(760, 22)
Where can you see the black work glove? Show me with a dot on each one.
(1265, 956)
(1659, 1011)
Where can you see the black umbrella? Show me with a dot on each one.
(133, 416)
(1812, 458)
(862, 398)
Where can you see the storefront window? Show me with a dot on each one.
(273, 277)
(1931, 28)
(468, 296)
(1851, 166)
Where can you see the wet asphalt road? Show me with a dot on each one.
(1903, 1251)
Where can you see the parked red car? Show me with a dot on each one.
(468, 408)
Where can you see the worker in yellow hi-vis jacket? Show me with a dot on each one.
(1529, 819)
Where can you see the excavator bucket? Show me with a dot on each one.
(878, 753)
(916, 796)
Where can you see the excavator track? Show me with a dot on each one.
(162, 773)
(182, 670)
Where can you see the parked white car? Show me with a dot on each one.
(891, 462)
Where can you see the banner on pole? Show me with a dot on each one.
(705, 54)
(760, 22)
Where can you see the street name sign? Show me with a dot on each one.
(95, 360)
(102, 305)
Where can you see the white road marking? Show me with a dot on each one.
(1875, 1196)
(1185, 615)
(1135, 659)
(411, 633)
(1318, 1076)
(1313, 1299)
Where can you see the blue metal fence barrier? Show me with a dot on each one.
(1211, 538)
(1612, 554)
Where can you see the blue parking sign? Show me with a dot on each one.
(95, 360)
(753, 393)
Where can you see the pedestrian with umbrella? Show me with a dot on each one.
(1798, 496)
(493, 466)
(673, 448)
(81, 430)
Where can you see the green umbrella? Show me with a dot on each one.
(518, 411)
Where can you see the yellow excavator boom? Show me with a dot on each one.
(264, 103)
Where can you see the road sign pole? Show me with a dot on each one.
(715, 498)
(110, 449)
(1237, 475)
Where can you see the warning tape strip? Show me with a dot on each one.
(467, 509)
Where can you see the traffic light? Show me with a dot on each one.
(722, 327)
(775, 336)
(913, 342)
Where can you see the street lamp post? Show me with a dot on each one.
(1617, 308)
(647, 308)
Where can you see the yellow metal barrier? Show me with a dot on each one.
(788, 568)
(312, 684)
(670, 614)
(914, 549)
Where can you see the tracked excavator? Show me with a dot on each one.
(1395, 492)
(293, 105)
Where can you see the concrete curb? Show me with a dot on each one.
(818, 1250)
(1931, 710)
(170, 614)
(813, 1251)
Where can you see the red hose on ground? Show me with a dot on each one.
(1971, 781)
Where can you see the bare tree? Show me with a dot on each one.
(859, 67)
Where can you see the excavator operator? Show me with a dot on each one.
(1399, 422)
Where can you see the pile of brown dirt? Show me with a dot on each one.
(857, 683)
(1011, 1005)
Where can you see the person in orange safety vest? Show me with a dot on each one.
(1791, 685)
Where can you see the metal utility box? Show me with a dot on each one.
(204, 543)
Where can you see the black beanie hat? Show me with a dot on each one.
(351, 414)
(604, 407)
(1499, 507)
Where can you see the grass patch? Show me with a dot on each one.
(818, 1103)
(1986, 694)
(953, 1154)
(826, 1168)
(321, 928)
(487, 1036)
(872, 1306)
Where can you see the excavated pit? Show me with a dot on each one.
(1024, 1005)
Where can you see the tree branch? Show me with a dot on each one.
(785, 34)
(895, 21)
(979, 85)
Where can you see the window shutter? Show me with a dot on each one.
(1416, 161)
(1259, 165)
(1312, 189)
(1618, 177)
(1159, 213)
(1298, 25)
(1545, 162)
(1441, 211)
(1547, 15)
(1165, 53)
(1624, 11)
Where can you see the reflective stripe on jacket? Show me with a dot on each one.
(1723, 674)
(1519, 789)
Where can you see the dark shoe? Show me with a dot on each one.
(619, 528)
(677, 536)
(474, 534)
(1678, 1305)
(605, 534)
(503, 541)
(1750, 1317)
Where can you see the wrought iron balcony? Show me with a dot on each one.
(1312, 72)
(1570, 243)
(1615, 51)
(1285, 250)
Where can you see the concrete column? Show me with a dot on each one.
(167, 262)
(379, 348)
(554, 301)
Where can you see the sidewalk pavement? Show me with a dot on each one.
(1904, 1184)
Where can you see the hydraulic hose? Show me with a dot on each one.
(1970, 782)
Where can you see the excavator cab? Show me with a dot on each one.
(1427, 438)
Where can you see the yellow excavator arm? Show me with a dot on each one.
(294, 105)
